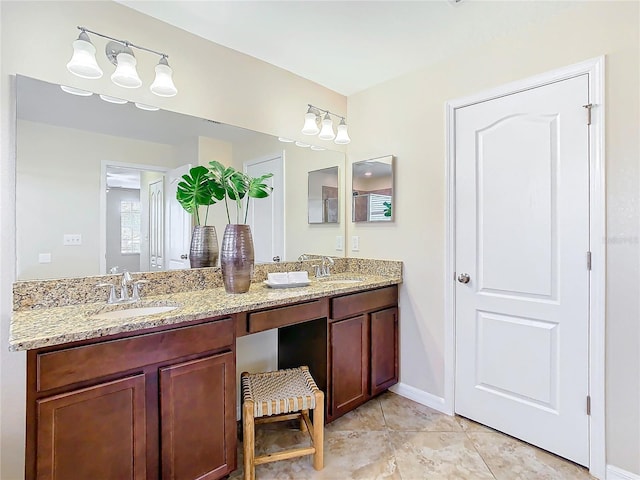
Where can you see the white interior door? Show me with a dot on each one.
(266, 215)
(178, 223)
(522, 237)
(156, 225)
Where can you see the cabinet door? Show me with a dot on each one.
(384, 349)
(95, 432)
(349, 353)
(198, 418)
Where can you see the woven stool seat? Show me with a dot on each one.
(278, 396)
(282, 391)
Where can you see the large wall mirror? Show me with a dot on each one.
(372, 190)
(324, 196)
(93, 185)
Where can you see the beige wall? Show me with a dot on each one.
(405, 117)
(214, 82)
(58, 178)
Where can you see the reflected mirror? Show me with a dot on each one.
(95, 183)
(372, 190)
(323, 200)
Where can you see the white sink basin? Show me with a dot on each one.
(122, 312)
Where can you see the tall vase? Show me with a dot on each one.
(204, 246)
(236, 258)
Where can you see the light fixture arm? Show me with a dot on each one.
(126, 43)
(319, 111)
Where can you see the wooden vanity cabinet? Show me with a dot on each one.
(353, 353)
(150, 406)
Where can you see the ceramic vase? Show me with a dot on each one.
(236, 258)
(204, 247)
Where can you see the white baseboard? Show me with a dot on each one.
(424, 398)
(615, 473)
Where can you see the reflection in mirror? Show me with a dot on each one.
(323, 201)
(95, 185)
(372, 190)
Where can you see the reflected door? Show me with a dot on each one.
(522, 294)
(178, 223)
(156, 225)
(266, 215)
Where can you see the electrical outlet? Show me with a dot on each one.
(355, 243)
(72, 239)
(44, 258)
(339, 243)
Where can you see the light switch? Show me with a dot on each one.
(44, 258)
(355, 243)
(339, 243)
(72, 239)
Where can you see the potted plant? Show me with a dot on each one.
(236, 256)
(197, 189)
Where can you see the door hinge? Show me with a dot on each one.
(588, 260)
(588, 404)
(588, 106)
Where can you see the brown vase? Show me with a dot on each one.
(236, 258)
(204, 247)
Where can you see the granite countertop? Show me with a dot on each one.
(36, 328)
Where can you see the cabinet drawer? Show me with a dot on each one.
(356, 303)
(279, 317)
(72, 365)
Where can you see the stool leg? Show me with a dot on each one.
(303, 425)
(248, 434)
(318, 431)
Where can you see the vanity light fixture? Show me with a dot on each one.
(119, 52)
(316, 117)
(285, 140)
(148, 108)
(76, 91)
(116, 100)
(317, 149)
(302, 144)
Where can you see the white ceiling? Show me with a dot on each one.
(349, 46)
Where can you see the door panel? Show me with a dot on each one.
(349, 364)
(197, 417)
(384, 349)
(266, 215)
(522, 235)
(178, 223)
(95, 432)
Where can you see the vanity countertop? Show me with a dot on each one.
(36, 328)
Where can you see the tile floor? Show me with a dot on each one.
(391, 437)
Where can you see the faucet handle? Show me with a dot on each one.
(112, 291)
(137, 285)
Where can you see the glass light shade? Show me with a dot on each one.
(302, 144)
(317, 149)
(83, 62)
(327, 129)
(342, 138)
(76, 91)
(310, 126)
(163, 84)
(285, 140)
(116, 100)
(148, 108)
(126, 74)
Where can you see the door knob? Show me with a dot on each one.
(184, 256)
(464, 278)
(276, 258)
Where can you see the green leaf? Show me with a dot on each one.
(259, 189)
(196, 189)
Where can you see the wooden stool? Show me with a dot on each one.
(275, 397)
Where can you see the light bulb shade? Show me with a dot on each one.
(126, 74)
(310, 126)
(83, 62)
(163, 84)
(327, 129)
(342, 137)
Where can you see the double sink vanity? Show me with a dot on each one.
(148, 390)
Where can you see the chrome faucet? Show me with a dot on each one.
(326, 263)
(125, 281)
